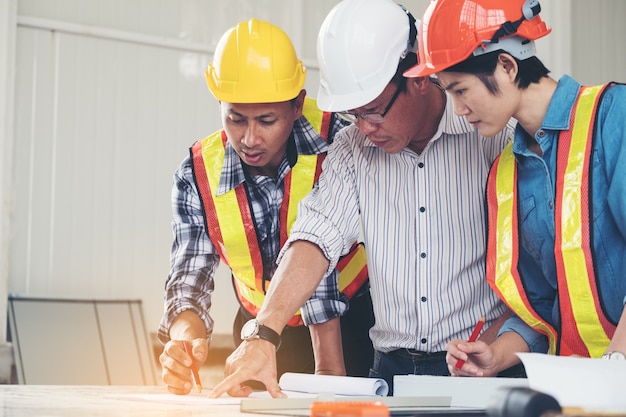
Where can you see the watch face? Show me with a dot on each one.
(614, 356)
(250, 329)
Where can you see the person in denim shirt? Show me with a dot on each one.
(557, 195)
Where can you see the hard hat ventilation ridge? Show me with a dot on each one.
(412, 41)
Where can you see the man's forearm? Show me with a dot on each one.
(299, 273)
(327, 347)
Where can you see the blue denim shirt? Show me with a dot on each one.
(536, 179)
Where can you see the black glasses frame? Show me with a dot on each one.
(372, 117)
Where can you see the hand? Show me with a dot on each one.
(254, 359)
(176, 364)
(478, 356)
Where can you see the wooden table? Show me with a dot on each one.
(130, 401)
(85, 401)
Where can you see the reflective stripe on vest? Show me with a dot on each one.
(231, 227)
(585, 330)
(502, 245)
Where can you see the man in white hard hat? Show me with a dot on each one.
(411, 175)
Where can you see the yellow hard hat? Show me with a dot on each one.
(255, 62)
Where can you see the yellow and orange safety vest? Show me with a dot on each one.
(584, 328)
(231, 227)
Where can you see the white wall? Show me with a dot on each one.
(108, 98)
(8, 15)
(102, 100)
(597, 34)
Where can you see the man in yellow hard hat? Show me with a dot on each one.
(234, 200)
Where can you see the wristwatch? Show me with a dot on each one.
(614, 355)
(254, 329)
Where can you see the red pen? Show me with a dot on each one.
(472, 338)
(194, 368)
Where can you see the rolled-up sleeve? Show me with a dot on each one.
(326, 302)
(537, 342)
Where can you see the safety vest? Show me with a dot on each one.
(584, 328)
(230, 224)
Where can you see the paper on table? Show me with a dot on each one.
(591, 384)
(168, 398)
(295, 384)
(464, 392)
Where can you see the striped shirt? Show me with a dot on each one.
(193, 258)
(422, 218)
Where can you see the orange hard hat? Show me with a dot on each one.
(452, 30)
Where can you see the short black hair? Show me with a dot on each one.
(410, 60)
(531, 70)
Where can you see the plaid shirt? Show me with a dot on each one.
(194, 258)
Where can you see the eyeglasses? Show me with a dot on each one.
(371, 117)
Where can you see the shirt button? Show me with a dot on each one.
(423, 340)
(422, 255)
(422, 209)
(423, 299)
(420, 165)
(541, 133)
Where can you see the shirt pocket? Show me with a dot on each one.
(526, 207)
(530, 229)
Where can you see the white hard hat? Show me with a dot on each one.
(359, 47)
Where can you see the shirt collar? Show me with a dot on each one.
(561, 105)
(557, 116)
(304, 140)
